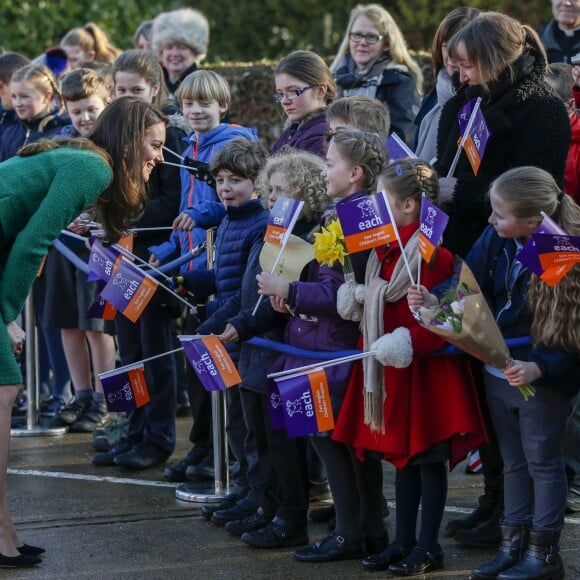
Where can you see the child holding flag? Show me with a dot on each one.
(353, 162)
(418, 411)
(529, 432)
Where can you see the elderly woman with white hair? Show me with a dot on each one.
(373, 60)
(179, 39)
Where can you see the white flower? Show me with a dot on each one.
(457, 308)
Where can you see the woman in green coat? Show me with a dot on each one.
(42, 190)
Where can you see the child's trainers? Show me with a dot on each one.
(73, 411)
(95, 416)
(115, 428)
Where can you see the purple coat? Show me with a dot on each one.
(306, 135)
(316, 325)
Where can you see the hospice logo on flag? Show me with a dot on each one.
(528, 255)
(365, 223)
(100, 308)
(557, 254)
(433, 224)
(282, 219)
(398, 149)
(129, 289)
(304, 402)
(478, 136)
(102, 261)
(125, 389)
(211, 362)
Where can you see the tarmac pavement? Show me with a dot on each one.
(110, 523)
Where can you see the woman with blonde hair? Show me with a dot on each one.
(373, 60)
(87, 44)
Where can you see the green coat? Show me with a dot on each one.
(39, 196)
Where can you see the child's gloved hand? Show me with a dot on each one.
(394, 349)
(349, 301)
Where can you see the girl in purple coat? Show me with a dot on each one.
(304, 87)
(353, 161)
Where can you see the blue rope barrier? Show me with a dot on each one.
(328, 355)
(71, 256)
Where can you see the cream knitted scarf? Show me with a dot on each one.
(379, 291)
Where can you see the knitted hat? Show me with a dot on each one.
(185, 26)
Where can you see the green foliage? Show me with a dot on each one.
(240, 31)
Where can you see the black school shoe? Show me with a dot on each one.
(256, 521)
(418, 561)
(108, 458)
(277, 534)
(393, 553)
(229, 501)
(240, 510)
(330, 549)
(177, 472)
(142, 456)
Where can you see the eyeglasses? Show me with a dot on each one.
(368, 38)
(292, 94)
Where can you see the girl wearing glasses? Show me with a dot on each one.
(304, 87)
(373, 60)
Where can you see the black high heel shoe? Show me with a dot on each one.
(21, 561)
(28, 550)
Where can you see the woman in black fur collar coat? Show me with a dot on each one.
(502, 61)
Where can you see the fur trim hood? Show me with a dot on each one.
(184, 26)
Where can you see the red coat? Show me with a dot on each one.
(572, 172)
(431, 401)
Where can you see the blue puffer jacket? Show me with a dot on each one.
(490, 260)
(198, 199)
(16, 135)
(242, 227)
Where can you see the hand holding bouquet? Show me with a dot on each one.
(463, 318)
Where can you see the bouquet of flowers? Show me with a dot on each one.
(464, 319)
(329, 247)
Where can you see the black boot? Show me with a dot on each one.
(542, 559)
(513, 546)
(487, 506)
(486, 535)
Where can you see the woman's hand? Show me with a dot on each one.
(183, 222)
(419, 296)
(79, 225)
(270, 285)
(17, 337)
(521, 373)
(446, 189)
(230, 334)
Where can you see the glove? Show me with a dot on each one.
(394, 349)
(349, 300)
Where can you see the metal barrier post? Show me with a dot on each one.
(32, 427)
(198, 493)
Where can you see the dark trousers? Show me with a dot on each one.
(261, 476)
(154, 423)
(530, 435)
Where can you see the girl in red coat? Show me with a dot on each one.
(419, 411)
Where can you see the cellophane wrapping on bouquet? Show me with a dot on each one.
(464, 319)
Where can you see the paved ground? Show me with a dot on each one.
(107, 523)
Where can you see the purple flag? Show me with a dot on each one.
(211, 362)
(282, 219)
(276, 407)
(125, 389)
(479, 134)
(306, 403)
(365, 223)
(102, 261)
(528, 255)
(398, 149)
(433, 223)
(129, 289)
